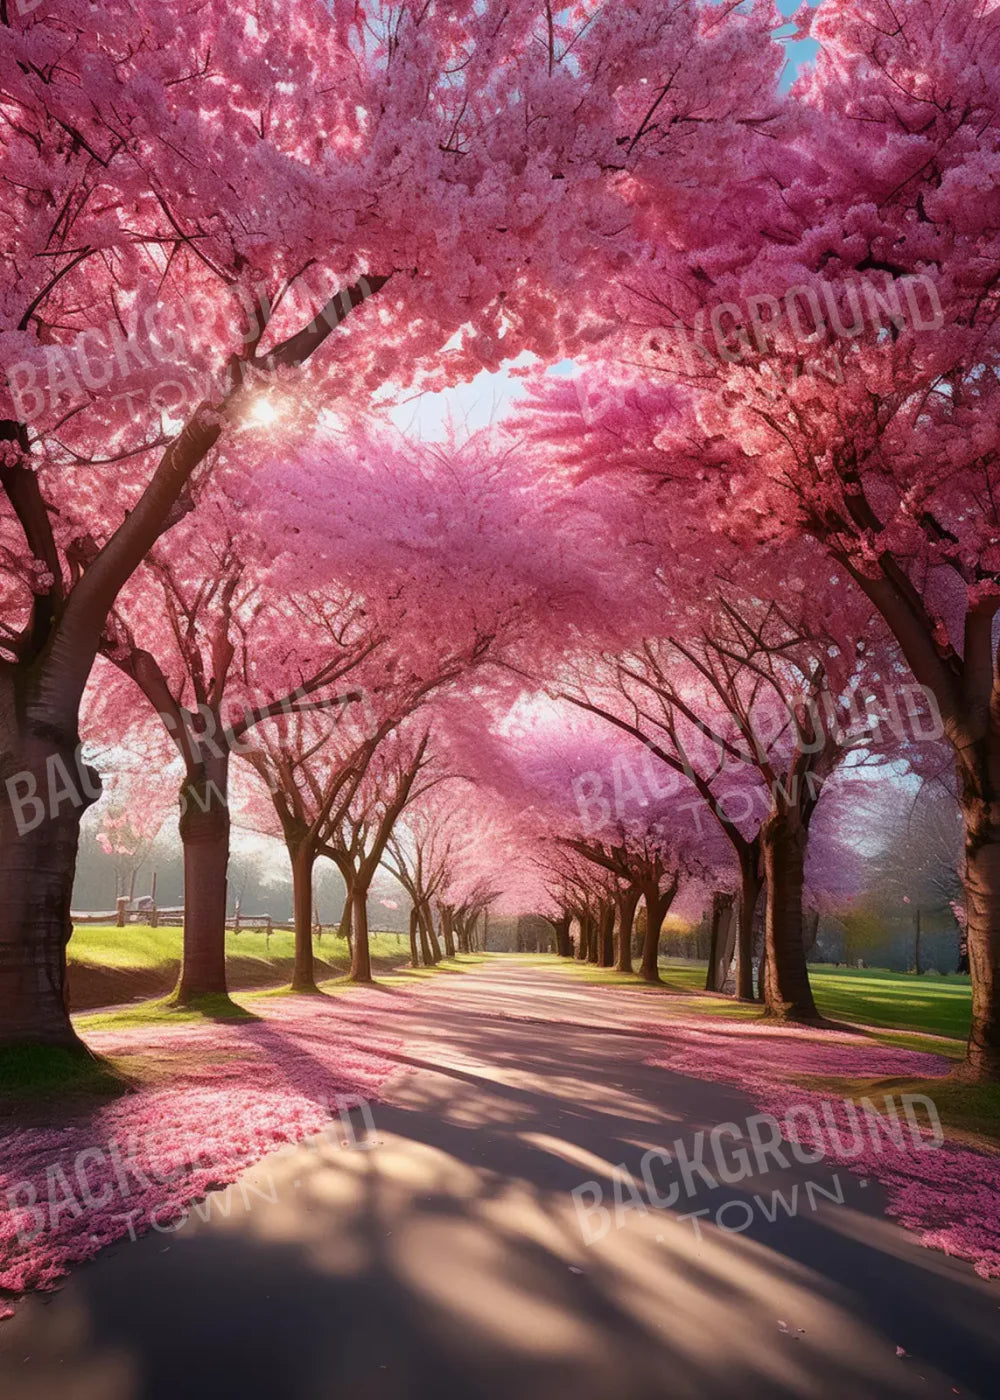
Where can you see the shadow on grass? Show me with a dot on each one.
(36, 1076)
(716, 1006)
(166, 1011)
(969, 1109)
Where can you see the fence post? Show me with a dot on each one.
(121, 904)
(267, 933)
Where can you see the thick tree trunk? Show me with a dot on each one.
(758, 943)
(627, 904)
(750, 893)
(361, 960)
(204, 832)
(649, 968)
(593, 938)
(303, 858)
(583, 941)
(564, 948)
(425, 943)
(414, 927)
(45, 792)
(982, 904)
(714, 926)
(432, 937)
(787, 993)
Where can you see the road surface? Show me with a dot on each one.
(450, 1258)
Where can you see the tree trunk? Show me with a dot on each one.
(462, 929)
(627, 902)
(361, 961)
(425, 945)
(606, 935)
(656, 909)
(723, 938)
(447, 930)
(47, 791)
(750, 888)
(757, 941)
(982, 903)
(657, 903)
(593, 938)
(414, 925)
(432, 937)
(204, 833)
(344, 927)
(564, 948)
(787, 993)
(583, 942)
(303, 859)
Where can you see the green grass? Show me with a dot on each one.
(139, 947)
(902, 1001)
(930, 1013)
(901, 1009)
(33, 1076)
(166, 1011)
(936, 1005)
(969, 1111)
(163, 1011)
(136, 946)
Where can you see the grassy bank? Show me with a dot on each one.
(109, 965)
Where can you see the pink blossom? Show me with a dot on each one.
(230, 1092)
(949, 1195)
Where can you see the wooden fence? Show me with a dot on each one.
(146, 911)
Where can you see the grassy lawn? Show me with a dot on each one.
(33, 1077)
(165, 1011)
(160, 1011)
(137, 946)
(969, 1113)
(936, 1005)
(903, 1001)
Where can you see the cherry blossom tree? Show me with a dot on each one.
(834, 375)
(219, 637)
(398, 773)
(193, 230)
(425, 854)
(750, 678)
(542, 762)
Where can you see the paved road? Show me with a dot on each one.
(449, 1260)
